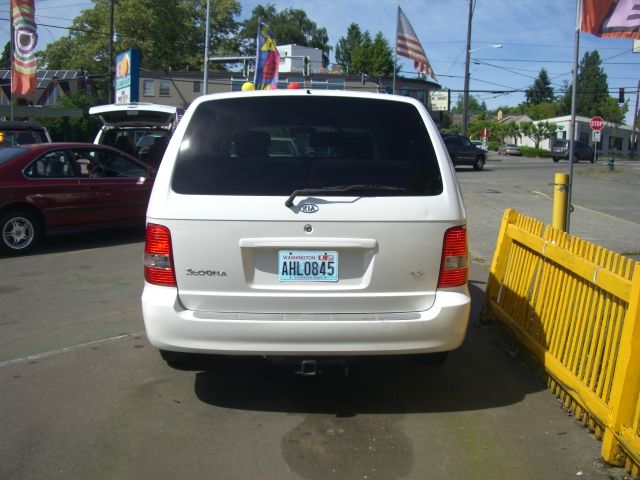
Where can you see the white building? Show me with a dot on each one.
(612, 137)
(292, 58)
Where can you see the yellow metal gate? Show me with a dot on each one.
(574, 306)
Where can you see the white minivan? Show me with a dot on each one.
(352, 243)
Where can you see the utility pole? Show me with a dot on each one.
(634, 146)
(111, 71)
(206, 49)
(465, 93)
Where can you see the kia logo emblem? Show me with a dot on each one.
(308, 208)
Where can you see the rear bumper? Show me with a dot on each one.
(171, 327)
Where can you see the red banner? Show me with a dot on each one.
(611, 18)
(25, 39)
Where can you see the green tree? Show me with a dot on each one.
(82, 129)
(541, 90)
(170, 35)
(290, 26)
(5, 59)
(361, 55)
(381, 57)
(539, 111)
(538, 131)
(346, 45)
(475, 105)
(593, 92)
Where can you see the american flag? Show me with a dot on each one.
(408, 45)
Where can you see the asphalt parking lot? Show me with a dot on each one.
(85, 396)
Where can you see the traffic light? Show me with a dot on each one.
(621, 95)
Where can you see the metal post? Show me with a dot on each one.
(465, 93)
(111, 71)
(560, 189)
(634, 146)
(206, 49)
(574, 94)
(12, 33)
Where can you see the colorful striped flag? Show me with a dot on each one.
(611, 18)
(408, 45)
(267, 59)
(25, 39)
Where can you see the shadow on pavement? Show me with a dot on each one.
(67, 242)
(474, 377)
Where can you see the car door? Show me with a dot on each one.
(54, 187)
(467, 149)
(118, 186)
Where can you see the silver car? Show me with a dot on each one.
(355, 243)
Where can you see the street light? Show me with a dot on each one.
(495, 45)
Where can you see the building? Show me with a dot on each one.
(614, 139)
(292, 59)
(51, 87)
(180, 88)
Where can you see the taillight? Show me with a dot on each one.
(454, 266)
(158, 260)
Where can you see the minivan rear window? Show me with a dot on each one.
(275, 145)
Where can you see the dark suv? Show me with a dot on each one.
(463, 152)
(581, 151)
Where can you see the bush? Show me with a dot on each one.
(535, 152)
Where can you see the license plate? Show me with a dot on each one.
(307, 266)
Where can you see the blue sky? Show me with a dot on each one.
(534, 34)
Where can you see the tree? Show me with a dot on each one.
(346, 46)
(361, 55)
(539, 111)
(593, 92)
(290, 26)
(5, 60)
(512, 130)
(170, 35)
(541, 90)
(475, 105)
(82, 129)
(538, 131)
(381, 57)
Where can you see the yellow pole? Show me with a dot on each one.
(560, 195)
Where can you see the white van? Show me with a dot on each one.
(353, 243)
(135, 127)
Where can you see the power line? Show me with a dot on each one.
(74, 29)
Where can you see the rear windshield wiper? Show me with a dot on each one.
(341, 188)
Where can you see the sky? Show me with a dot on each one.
(534, 34)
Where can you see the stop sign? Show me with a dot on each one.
(597, 123)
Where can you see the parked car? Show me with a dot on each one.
(509, 149)
(22, 133)
(463, 152)
(48, 188)
(356, 246)
(581, 151)
(134, 127)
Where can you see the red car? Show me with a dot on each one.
(54, 187)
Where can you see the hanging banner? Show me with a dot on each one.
(267, 59)
(25, 39)
(611, 18)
